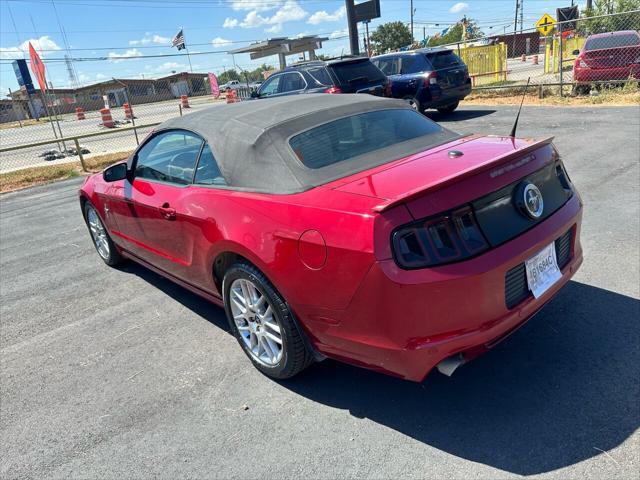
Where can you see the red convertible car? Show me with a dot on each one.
(345, 226)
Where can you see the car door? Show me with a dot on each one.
(149, 209)
(288, 83)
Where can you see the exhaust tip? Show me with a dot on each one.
(450, 364)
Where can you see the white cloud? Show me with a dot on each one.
(149, 39)
(220, 42)
(166, 68)
(101, 76)
(289, 11)
(259, 5)
(117, 57)
(43, 45)
(459, 7)
(339, 33)
(323, 16)
(230, 23)
(274, 29)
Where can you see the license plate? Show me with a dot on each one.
(542, 270)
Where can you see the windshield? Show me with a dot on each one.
(360, 71)
(356, 135)
(614, 41)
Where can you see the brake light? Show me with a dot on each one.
(436, 241)
(431, 79)
(581, 63)
(333, 89)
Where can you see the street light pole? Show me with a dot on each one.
(411, 4)
(353, 27)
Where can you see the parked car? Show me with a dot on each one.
(607, 57)
(426, 78)
(344, 226)
(230, 85)
(343, 75)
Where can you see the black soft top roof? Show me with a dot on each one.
(250, 139)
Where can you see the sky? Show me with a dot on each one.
(114, 38)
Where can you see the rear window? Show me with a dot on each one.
(320, 75)
(354, 72)
(614, 41)
(443, 60)
(349, 137)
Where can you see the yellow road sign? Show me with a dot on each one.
(545, 24)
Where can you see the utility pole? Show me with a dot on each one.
(589, 4)
(354, 42)
(411, 4)
(515, 29)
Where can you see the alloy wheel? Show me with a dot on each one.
(98, 233)
(255, 320)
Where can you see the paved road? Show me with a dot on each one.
(118, 373)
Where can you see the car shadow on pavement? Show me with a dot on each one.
(560, 390)
(200, 306)
(457, 115)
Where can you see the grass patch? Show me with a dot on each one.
(605, 96)
(33, 176)
(37, 176)
(100, 162)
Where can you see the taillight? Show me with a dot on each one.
(439, 240)
(431, 79)
(581, 63)
(333, 89)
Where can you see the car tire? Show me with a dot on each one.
(449, 108)
(258, 337)
(100, 237)
(414, 103)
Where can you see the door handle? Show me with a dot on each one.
(168, 212)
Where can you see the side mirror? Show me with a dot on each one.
(576, 52)
(254, 94)
(115, 172)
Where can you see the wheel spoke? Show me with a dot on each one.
(273, 338)
(272, 325)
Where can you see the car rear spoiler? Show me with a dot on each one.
(458, 176)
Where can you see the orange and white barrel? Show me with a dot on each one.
(184, 100)
(107, 120)
(128, 114)
(80, 113)
(232, 96)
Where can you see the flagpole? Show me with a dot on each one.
(185, 47)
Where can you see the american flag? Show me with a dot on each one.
(178, 40)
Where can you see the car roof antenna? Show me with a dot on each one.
(515, 124)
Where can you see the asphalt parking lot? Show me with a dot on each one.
(111, 373)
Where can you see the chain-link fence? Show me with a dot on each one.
(107, 107)
(576, 56)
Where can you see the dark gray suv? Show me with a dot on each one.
(343, 75)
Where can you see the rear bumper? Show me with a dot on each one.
(435, 98)
(405, 322)
(586, 75)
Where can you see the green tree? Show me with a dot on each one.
(454, 34)
(630, 21)
(390, 36)
(228, 75)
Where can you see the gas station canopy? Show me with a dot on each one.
(282, 47)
